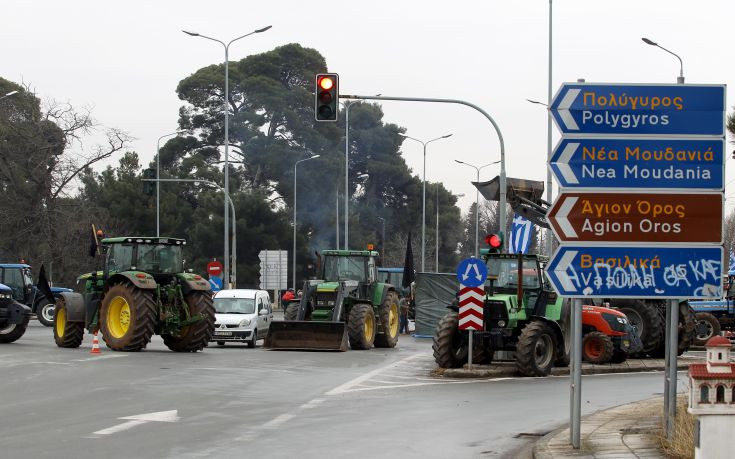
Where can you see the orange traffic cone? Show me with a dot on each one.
(95, 345)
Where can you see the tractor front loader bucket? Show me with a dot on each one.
(307, 336)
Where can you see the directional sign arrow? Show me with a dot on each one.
(639, 163)
(136, 420)
(637, 217)
(591, 108)
(615, 271)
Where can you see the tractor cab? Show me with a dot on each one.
(161, 257)
(356, 268)
(18, 277)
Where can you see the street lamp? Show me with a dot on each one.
(8, 94)
(423, 212)
(228, 200)
(227, 132)
(294, 215)
(382, 237)
(680, 78)
(477, 202)
(158, 184)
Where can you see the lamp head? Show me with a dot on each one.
(649, 42)
(263, 29)
(446, 136)
(193, 34)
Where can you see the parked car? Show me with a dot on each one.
(242, 316)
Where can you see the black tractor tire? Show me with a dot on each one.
(536, 349)
(127, 317)
(361, 327)
(686, 332)
(597, 348)
(644, 316)
(619, 356)
(194, 337)
(291, 312)
(12, 332)
(389, 316)
(565, 346)
(450, 345)
(66, 334)
(706, 326)
(45, 313)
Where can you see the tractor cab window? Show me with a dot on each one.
(160, 258)
(345, 268)
(505, 272)
(119, 258)
(13, 278)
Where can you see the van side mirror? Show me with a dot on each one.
(263, 311)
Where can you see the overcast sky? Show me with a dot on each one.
(125, 59)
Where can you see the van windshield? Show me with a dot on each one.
(234, 305)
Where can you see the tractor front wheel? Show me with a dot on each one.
(12, 332)
(66, 334)
(536, 350)
(597, 348)
(361, 326)
(450, 345)
(706, 326)
(388, 315)
(127, 317)
(194, 337)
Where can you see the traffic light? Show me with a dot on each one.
(495, 241)
(326, 97)
(149, 188)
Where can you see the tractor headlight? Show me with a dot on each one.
(501, 323)
(244, 322)
(622, 320)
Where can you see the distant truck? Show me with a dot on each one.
(19, 278)
(715, 316)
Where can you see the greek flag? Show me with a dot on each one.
(520, 235)
(731, 272)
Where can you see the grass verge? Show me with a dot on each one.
(682, 445)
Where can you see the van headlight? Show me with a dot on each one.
(244, 322)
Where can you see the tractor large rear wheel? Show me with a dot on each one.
(706, 326)
(66, 334)
(194, 337)
(536, 350)
(450, 344)
(12, 332)
(686, 333)
(565, 346)
(645, 318)
(388, 315)
(361, 326)
(127, 317)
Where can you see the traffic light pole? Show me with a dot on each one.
(503, 199)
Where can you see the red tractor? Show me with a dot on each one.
(607, 336)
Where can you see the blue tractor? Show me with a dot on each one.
(19, 278)
(14, 316)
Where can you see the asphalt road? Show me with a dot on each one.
(240, 402)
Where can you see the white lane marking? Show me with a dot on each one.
(100, 357)
(312, 404)
(350, 384)
(278, 420)
(138, 419)
(397, 386)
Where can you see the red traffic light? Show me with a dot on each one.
(326, 83)
(494, 241)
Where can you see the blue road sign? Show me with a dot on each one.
(639, 163)
(635, 109)
(215, 283)
(637, 272)
(471, 272)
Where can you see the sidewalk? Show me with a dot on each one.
(508, 368)
(622, 432)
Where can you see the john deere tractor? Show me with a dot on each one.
(142, 290)
(347, 304)
(522, 314)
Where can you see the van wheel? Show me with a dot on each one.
(252, 342)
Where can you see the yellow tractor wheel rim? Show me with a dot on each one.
(118, 317)
(393, 320)
(60, 322)
(369, 327)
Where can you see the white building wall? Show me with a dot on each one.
(715, 437)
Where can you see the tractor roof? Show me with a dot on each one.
(144, 240)
(14, 265)
(350, 253)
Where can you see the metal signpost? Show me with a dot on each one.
(471, 273)
(641, 172)
(273, 270)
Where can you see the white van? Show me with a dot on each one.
(242, 316)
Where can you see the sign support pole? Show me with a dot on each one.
(469, 349)
(667, 362)
(672, 345)
(576, 374)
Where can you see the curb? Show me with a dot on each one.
(508, 369)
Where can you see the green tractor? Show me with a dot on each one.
(349, 304)
(142, 290)
(522, 314)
